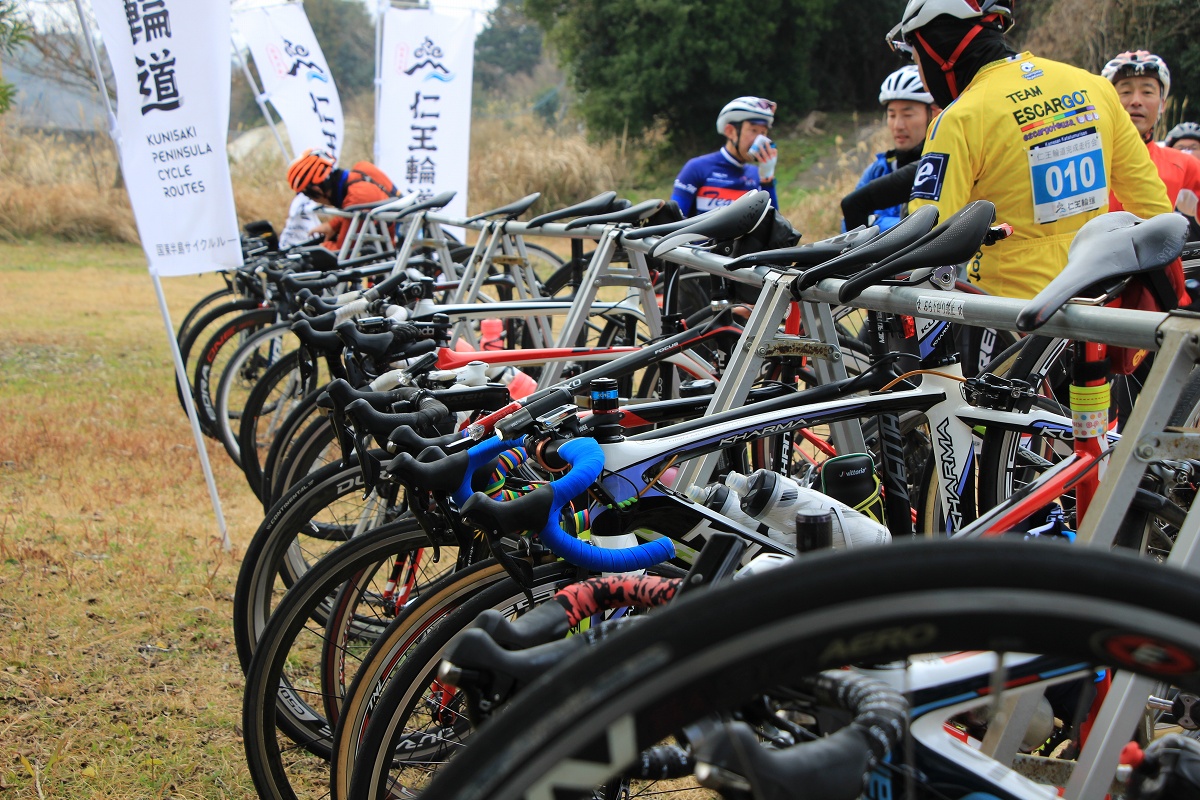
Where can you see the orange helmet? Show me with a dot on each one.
(312, 167)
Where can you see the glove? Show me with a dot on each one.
(1169, 771)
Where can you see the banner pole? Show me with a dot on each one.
(180, 371)
(380, 8)
(190, 403)
(260, 98)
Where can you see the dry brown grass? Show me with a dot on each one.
(818, 212)
(515, 157)
(118, 677)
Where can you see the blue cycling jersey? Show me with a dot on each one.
(714, 181)
(882, 165)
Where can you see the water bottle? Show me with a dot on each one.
(727, 503)
(491, 334)
(776, 500)
(766, 169)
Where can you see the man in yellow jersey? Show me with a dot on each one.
(1042, 140)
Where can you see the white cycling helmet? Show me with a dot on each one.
(919, 13)
(904, 84)
(1138, 62)
(745, 108)
(1184, 130)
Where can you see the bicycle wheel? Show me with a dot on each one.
(588, 720)
(203, 306)
(314, 447)
(241, 374)
(284, 721)
(324, 510)
(216, 354)
(268, 407)
(300, 417)
(375, 670)
(202, 330)
(417, 724)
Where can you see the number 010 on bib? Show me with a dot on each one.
(1068, 177)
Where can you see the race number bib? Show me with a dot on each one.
(1068, 177)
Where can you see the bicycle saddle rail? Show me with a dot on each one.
(810, 254)
(737, 219)
(600, 204)
(909, 230)
(641, 211)
(953, 242)
(510, 211)
(1114, 245)
(586, 462)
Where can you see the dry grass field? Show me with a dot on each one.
(118, 677)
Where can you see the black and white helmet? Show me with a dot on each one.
(904, 84)
(1184, 130)
(919, 13)
(744, 108)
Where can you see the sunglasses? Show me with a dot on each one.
(897, 44)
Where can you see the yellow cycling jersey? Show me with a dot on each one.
(1045, 142)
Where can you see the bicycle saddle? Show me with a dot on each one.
(903, 234)
(956, 240)
(510, 211)
(637, 213)
(599, 204)
(737, 219)
(1114, 245)
(437, 201)
(807, 255)
(374, 204)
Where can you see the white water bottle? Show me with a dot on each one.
(775, 500)
(727, 503)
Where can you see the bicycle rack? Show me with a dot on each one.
(603, 270)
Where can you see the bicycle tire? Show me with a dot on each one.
(717, 649)
(309, 521)
(202, 306)
(202, 330)
(370, 776)
(299, 417)
(314, 447)
(215, 355)
(377, 666)
(280, 698)
(269, 405)
(246, 366)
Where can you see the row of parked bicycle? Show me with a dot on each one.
(610, 525)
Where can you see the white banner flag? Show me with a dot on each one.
(295, 75)
(170, 63)
(424, 123)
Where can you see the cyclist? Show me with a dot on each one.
(1185, 137)
(717, 179)
(315, 175)
(883, 190)
(1143, 83)
(1042, 140)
